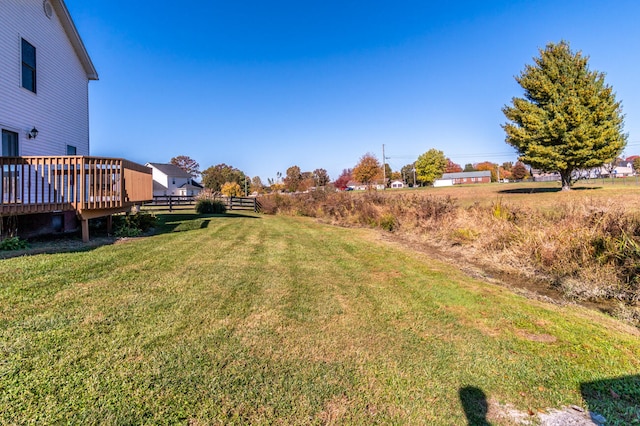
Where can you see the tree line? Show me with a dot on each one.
(567, 120)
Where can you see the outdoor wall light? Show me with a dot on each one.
(33, 133)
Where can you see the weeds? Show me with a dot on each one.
(588, 250)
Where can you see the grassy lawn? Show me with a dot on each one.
(543, 195)
(268, 319)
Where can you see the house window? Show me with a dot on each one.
(71, 150)
(28, 66)
(9, 144)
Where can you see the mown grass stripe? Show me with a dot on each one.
(253, 320)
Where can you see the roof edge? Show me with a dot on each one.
(72, 32)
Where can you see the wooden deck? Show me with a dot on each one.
(90, 186)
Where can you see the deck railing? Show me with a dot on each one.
(84, 184)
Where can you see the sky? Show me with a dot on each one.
(265, 85)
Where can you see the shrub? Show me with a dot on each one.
(134, 225)
(13, 243)
(127, 232)
(276, 203)
(388, 222)
(144, 220)
(208, 206)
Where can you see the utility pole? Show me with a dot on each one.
(384, 169)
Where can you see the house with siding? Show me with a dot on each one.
(46, 175)
(44, 75)
(463, 178)
(169, 179)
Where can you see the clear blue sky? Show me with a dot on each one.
(264, 85)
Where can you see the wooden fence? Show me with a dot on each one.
(173, 202)
(177, 202)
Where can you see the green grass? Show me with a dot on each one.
(542, 194)
(263, 319)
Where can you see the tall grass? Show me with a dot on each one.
(589, 250)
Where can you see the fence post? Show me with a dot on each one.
(170, 203)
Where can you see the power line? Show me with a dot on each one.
(479, 154)
(475, 155)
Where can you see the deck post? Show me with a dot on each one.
(109, 224)
(85, 230)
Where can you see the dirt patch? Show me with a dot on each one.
(334, 410)
(506, 414)
(542, 338)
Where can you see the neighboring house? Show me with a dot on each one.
(618, 171)
(397, 184)
(44, 112)
(353, 185)
(169, 179)
(463, 178)
(595, 173)
(540, 176)
(443, 182)
(357, 186)
(628, 162)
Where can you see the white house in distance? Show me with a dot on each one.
(169, 179)
(449, 179)
(44, 76)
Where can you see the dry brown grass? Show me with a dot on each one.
(585, 242)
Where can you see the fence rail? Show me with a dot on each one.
(174, 202)
(177, 202)
(242, 203)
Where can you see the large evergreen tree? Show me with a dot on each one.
(568, 119)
